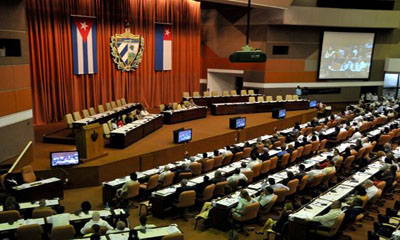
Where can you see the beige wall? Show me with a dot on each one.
(15, 85)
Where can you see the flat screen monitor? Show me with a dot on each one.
(282, 113)
(64, 158)
(346, 55)
(313, 104)
(237, 123)
(182, 135)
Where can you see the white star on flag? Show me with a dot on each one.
(84, 25)
(167, 32)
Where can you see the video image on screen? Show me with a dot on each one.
(240, 122)
(184, 136)
(313, 104)
(64, 158)
(346, 55)
(282, 113)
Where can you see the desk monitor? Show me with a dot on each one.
(278, 113)
(64, 158)
(313, 104)
(182, 135)
(237, 123)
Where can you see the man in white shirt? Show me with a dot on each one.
(163, 174)
(370, 189)
(356, 135)
(275, 185)
(60, 219)
(314, 172)
(329, 219)
(95, 220)
(236, 177)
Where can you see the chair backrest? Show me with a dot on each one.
(28, 175)
(243, 92)
(215, 93)
(119, 103)
(260, 99)
(293, 157)
(348, 162)
(113, 104)
(186, 199)
(277, 144)
(339, 162)
(162, 107)
(281, 193)
(77, 116)
(237, 157)
(271, 203)
(227, 159)
(133, 190)
(196, 94)
(250, 92)
(85, 113)
(282, 139)
(246, 152)
(42, 212)
(300, 152)
(292, 185)
(285, 160)
(375, 198)
(256, 170)
(288, 97)
(220, 189)
(175, 105)
(69, 120)
(186, 94)
(108, 106)
(249, 175)
(307, 150)
(123, 101)
(184, 175)
(327, 178)
(208, 165)
(92, 111)
(279, 98)
(303, 183)
(196, 168)
(206, 94)
(322, 145)
(265, 167)
(249, 212)
(31, 232)
(318, 129)
(274, 162)
(233, 92)
(252, 99)
(269, 99)
(295, 97)
(9, 216)
(335, 228)
(208, 192)
(62, 232)
(106, 130)
(153, 182)
(100, 109)
(383, 139)
(217, 161)
(315, 146)
(225, 93)
(174, 236)
(316, 180)
(360, 153)
(168, 179)
(381, 185)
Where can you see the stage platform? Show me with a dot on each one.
(158, 148)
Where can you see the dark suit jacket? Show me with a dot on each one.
(217, 180)
(181, 189)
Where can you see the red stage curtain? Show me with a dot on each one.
(56, 91)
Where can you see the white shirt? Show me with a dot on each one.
(329, 219)
(356, 135)
(236, 177)
(140, 227)
(59, 219)
(279, 185)
(371, 192)
(101, 223)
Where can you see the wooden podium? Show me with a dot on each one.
(90, 142)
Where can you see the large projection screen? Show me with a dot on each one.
(346, 55)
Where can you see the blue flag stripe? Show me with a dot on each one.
(159, 45)
(94, 37)
(85, 58)
(123, 52)
(74, 47)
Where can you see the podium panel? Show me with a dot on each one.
(90, 142)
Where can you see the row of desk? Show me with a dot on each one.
(108, 115)
(257, 107)
(208, 101)
(132, 132)
(184, 114)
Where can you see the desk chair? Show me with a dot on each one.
(303, 183)
(284, 160)
(103, 230)
(246, 152)
(292, 185)
(175, 105)
(293, 157)
(42, 212)
(113, 105)
(69, 120)
(237, 157)
(269, 206)
(300, 152)
(77, 116)
(63, 232)
(295, 97)
(277, 144)
(206, 94)
(186, 95)
(119, 103)
(183, 175)
(215, 94)
(31, 232)
(106, 131)
(92, 111)
(196, 168)
(260, 99)
(168, 179)
(133, 191)
(28, 175)
(279, 98)
(332, 231)
(249, 175)
(123, 101)
(281, 193)
(150, 185)
(227, 159)
(233, 93)
(243, 92)
(85, 113)
(217, 162)
(274, 162)
(326, 180)
(162, 107)
(251, 92)
(256, 170)
(314, 147)
(225, 93)
(265, 167)
(322, 146)
(175, 236)
(208, 165)
(207, 194)
(185, 200)
(220, 189)
(9, 216)
(383, 139)
(269, 99)
(249, 213)
(288, 97)
(316, 181)
(196, 94)
(108, 106)
(100, 109)
(252, 99)
(348, 164)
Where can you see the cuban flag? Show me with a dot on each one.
(163, 47)
(84, 44)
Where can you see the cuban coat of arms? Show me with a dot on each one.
(127, 50)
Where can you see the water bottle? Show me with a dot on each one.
(107, 207)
